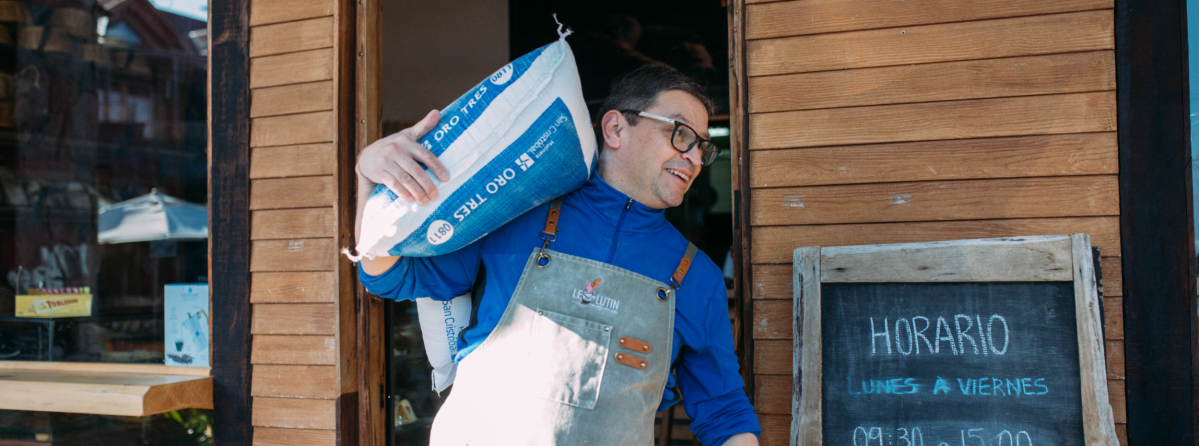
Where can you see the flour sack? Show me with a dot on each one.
(518, 139)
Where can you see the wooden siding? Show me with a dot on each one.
(919, 120)
(296, 273)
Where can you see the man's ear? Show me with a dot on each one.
(611, 125)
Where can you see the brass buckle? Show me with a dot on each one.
(541, 255)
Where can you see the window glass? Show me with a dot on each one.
(103, 193)
(103, 184)
(1193, 60)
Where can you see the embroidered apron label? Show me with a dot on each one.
(591, 298)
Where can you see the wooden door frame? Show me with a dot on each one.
(369, 309)
(1156, 221)
(742, 230)
(229, 218)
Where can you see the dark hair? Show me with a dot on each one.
(640, 88)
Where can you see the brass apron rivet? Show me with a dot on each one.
(540, 313)
(645, 348)
(622, 341)
(608, 329)
(643, 365)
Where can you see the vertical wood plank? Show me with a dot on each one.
(229, 219)
(1097, 416)
(807, 403)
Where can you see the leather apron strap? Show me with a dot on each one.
(550, 233)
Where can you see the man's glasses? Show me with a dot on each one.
(684, 138)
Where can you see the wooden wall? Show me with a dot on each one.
(302, 322)
(892, 121)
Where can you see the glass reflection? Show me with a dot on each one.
(103, 178)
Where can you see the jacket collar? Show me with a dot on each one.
(600, 202)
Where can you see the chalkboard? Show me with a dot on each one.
(994, 342)
(907, 364)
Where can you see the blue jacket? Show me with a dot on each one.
(600, 223)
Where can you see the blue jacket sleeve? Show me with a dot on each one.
(442, 277)
(710, 380)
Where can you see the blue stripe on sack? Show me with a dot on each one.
(463, 112)
(545, 162)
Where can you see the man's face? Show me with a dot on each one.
(658, 172)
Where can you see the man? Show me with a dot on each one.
(595, 311)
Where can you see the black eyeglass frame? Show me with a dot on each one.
(699, 140)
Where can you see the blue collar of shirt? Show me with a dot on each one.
(602, 204)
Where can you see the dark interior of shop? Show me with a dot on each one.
(609, 40)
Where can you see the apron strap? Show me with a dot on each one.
(551, 221)
(550, 233)
(676, 279)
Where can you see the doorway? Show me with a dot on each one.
(434, 51)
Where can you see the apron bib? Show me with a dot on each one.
(580, 357)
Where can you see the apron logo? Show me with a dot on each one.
(589, 298)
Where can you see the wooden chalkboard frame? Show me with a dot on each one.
(1055, 258)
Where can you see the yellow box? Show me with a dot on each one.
(54, 305)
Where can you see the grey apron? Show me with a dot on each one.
(580, 357)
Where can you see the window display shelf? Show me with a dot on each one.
(103, 389)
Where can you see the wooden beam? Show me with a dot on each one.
(1157, 223)
(229, 217)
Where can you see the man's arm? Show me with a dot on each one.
(396, 161)
(746, 439)
(709, 377)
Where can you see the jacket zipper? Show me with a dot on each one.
(619, 224)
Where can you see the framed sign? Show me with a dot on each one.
(994, 342)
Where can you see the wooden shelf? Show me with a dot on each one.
(103, 389)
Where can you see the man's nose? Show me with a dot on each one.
(694, 156)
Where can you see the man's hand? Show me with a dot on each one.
(396, 162)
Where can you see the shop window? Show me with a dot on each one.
(1192, 33)
(103, 192)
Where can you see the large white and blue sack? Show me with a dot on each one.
(518, 139)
